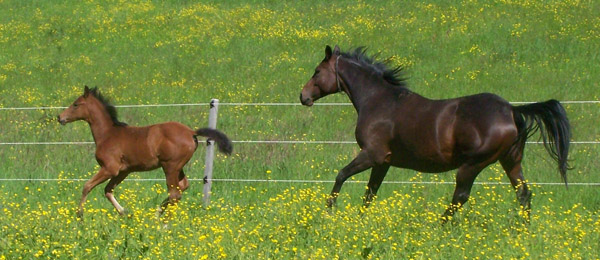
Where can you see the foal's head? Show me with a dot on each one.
(323, 82)
(83, 107)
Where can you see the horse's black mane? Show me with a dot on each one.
(110, 109)
(392, 75)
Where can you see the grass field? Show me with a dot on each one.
(171, 52)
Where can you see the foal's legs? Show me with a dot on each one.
(359, 164)
(378, 172)
(464, 182)
(100, 177)
(177, 182)
(108, 191)
(183, 181)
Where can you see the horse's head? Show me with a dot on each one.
(323, 82)
(79, 110)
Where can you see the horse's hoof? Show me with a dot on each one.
(159, 212)
(330, 208)
(125, 213)
(444, 219)
(330, 202)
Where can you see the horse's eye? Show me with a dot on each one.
(75, 104)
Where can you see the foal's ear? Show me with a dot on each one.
(336, 50)
(86, 91)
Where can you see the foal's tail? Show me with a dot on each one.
(551, 119)
(222, 140)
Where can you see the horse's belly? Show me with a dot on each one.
(424, 167)
(430, 164)
(139, 164)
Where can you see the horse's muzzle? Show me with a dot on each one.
(61, 121)
(306, 101)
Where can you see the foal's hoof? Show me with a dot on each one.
(125, 213)
(80, 214)
(159, 212)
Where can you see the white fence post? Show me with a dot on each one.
(210, 151)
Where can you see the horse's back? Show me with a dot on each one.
(174, 129)
(484, 104)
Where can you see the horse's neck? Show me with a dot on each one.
(101, 124)
(376, 94)
(362, 93)
(360, 84)
(352, 89)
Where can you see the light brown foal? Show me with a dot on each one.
(122, 149)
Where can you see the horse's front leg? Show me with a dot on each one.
(378, 173)
(100, 177)
(359, 164)
(110, 187)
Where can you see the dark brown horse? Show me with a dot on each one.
(121, 149)
(397, 127)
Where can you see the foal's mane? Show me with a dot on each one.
(392, 75)
(110, 109)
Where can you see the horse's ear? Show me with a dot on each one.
(327, 52)
(336, 50)
(86, 91)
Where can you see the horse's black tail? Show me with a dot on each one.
(222, 140)
(551, 119)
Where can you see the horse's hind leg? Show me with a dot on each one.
(183, 181)
(512, 166)
(464, 182)
(378, 172)
(176, 183)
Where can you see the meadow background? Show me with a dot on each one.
(172, 52)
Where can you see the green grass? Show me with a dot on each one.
(249, 51)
